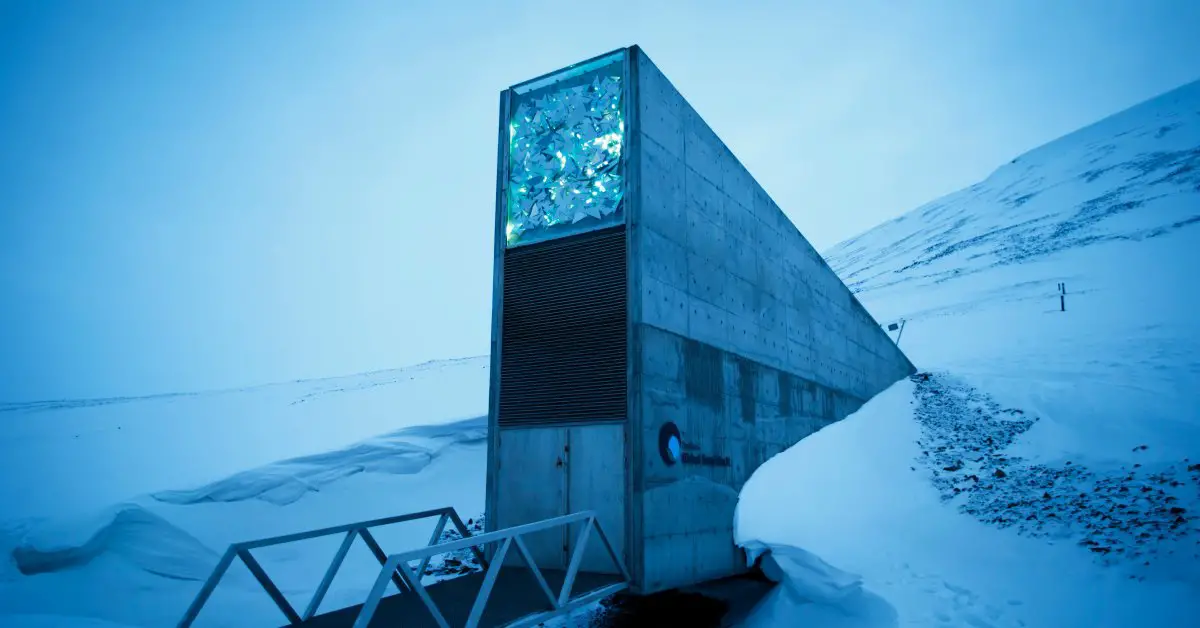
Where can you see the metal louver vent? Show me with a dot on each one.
(563, 331)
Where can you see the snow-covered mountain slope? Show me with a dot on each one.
(1130, 177)
(1045, 472)
(1112, 212)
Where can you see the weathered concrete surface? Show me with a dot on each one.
(744, 338)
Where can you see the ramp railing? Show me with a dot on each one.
(350, 531)
(557, 604)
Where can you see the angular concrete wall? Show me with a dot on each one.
(742, 336)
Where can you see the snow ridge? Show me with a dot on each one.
(130, 531)
(403, 452)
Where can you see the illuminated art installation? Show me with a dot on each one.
(565, 162)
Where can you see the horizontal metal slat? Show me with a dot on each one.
(563, 351)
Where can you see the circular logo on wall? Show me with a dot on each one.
(670, 443)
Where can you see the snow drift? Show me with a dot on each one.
(140, 562)
(130, 531)
(133, 446)
(403, 452)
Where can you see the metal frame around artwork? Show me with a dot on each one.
(351, 531)
(559, 604)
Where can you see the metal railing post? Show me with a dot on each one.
(269, 586)
(209, 586)
(433, 539)
(375, 595)
(537, 573)
(612, 553)
(415, 583)
(361, 528)
(464, 532)
(576, 561)
(489, 581)
(396, 568)
(330, 573)
(373, 545)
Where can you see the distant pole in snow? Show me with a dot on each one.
(893, 327)
(1062, 297)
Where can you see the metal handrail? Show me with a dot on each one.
(562, 603)
(351, 530)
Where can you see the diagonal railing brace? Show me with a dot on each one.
(360, 529)
(558, 605)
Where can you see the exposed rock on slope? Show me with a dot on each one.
(1139, 514)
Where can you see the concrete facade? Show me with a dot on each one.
(743, 337)
(740, 337)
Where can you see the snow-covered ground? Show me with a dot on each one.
(1043, 473)
(116, 510)
(1047, 470)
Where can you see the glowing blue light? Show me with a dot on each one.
(674, 447)
(572, 139)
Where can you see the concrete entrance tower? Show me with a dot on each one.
(660, 328)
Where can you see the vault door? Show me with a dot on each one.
(532, 487)
(596, 481)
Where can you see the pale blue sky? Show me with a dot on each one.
(205, 194)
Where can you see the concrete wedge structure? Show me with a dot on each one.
(660, 327)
